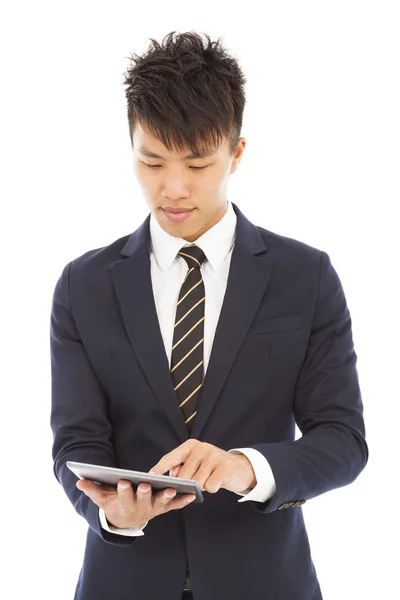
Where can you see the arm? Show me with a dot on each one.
(327, 406)
(79, 420)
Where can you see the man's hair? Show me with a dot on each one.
(186, 93)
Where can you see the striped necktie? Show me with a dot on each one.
(187, 365)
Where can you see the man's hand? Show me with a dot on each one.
(212, 467)
(125, 509)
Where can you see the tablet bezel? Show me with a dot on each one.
(111, 475)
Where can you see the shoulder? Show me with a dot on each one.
(104, 256)
(98, 260)
(92, 265)
(289, 250)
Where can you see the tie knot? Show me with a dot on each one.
(193, 255)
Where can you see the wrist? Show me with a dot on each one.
(252, 476)
(123, 526)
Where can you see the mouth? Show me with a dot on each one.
(177, 210)
(177, 215)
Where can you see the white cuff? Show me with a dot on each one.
(266, 486)
(128, 531)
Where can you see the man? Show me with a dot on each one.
(193, 346)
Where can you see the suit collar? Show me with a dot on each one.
(246, 234)
(215, 243)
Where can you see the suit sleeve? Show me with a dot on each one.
(327, 406)
(79, 409)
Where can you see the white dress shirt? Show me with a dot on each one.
(168, 271)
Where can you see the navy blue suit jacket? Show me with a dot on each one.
(282, 354)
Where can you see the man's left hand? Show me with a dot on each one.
(210, 466)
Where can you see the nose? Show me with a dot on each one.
(175, 188)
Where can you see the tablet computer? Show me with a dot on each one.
(111, 476)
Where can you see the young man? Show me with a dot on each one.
(193, 346)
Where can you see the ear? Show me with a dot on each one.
(238, 154)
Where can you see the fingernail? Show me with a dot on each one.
(190, 499)
(145, 489)
(170, 494)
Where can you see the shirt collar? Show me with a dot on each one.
(215, 243)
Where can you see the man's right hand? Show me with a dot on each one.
(125, 508)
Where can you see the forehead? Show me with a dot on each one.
(148, 145)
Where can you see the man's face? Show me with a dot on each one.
(181, 181)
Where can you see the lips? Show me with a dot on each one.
(177, 215)
(177, 210)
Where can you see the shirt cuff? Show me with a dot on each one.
(266, 486)
(128, 531)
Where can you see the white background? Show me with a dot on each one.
(321, 165)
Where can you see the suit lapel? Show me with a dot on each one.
(132, 282)
(249, 274)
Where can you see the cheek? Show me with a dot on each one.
(216, 181)
(144, 179)
(136, 168)
(208, 178)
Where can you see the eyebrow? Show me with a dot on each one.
(143, 150)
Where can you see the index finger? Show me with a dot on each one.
(173, 459)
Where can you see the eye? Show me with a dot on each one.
(159, 166)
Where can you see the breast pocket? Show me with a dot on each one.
(276, 325)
